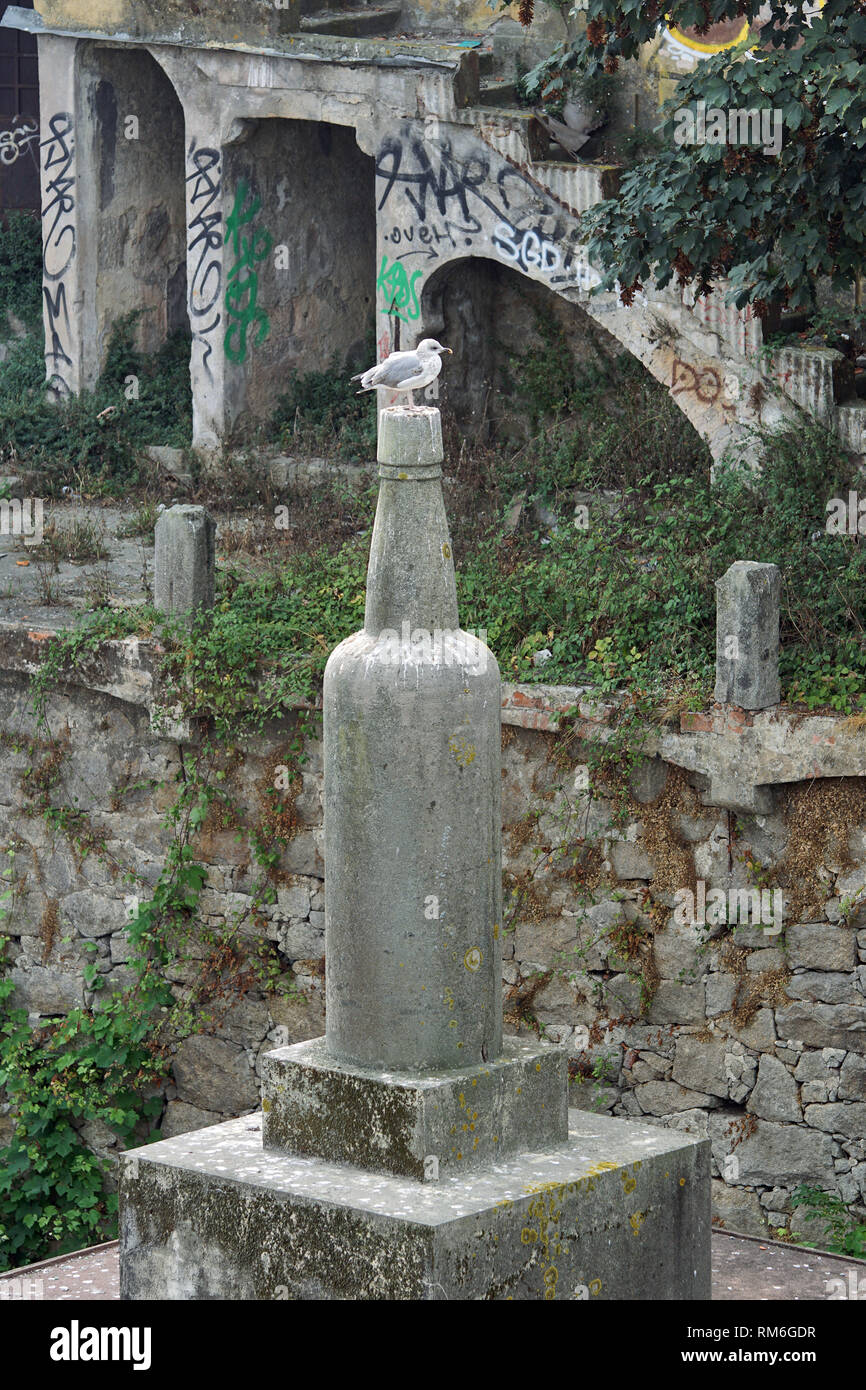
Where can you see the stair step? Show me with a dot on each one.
(352, 23)
(497, 92)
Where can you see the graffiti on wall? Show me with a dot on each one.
(204, 248)
(444, 204)
(242, 284)
(59, 245)
(702, 382)
(398, 287)
(23, 133)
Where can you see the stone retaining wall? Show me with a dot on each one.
(751, 1034)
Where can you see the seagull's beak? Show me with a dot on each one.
(448, 350)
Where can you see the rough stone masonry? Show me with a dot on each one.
(414, 1152)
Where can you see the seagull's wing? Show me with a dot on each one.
(396, 369)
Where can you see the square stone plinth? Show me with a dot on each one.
(620, 1211)
(414, 1126)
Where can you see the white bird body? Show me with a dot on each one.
(405, 371)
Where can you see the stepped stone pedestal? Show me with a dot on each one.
(413, 1152)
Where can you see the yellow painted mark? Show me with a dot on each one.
(538, 1066)
(636, 1220)
(446, 551)
(682, 1182)
(595, 1287)
(402, 477)
(495, 931)
(472, 960)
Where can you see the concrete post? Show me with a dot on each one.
(412, 774)
(206, 278)
(747, 635)
(184, 560)
(69, 179)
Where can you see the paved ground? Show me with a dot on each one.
(742, 1269)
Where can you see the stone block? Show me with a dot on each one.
(677, 1003)
(820, 946)
(721, 992)
(620, 1211)
(181, 1118)
(666, 1098)
(747, 635)
(630, 861)
(701, 1065)
(93, 914)
(737, 1210)
(774, 1096)
(184, 560)
(394, 1122)
(848, 1118)
(46, 991)
(214, 1074)
(823, 986)
(824, 1025)
(774, 1155)
(852, 1078)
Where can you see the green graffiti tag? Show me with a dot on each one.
(242, 284)
(399, 289)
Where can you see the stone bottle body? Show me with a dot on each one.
(412, 712)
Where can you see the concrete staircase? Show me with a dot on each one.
(351, 21)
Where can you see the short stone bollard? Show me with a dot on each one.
(184, 561)
(747, 635)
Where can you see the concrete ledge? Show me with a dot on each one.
(620, 1211)
(414, 1126)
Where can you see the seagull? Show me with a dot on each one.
(405, 371)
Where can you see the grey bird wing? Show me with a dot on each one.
(396, 369)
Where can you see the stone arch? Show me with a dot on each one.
(314, 230)
(445, 194)
(489, 314)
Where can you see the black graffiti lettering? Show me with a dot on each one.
(59, 244)
(205, 235)
(58, 202)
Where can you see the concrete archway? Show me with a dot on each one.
(490, 315)
(135, 129)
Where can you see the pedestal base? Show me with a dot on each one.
(414, 1126)
(620, 1211)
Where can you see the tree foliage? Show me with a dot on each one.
(770, 223)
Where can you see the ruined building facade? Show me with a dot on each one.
(281, 180)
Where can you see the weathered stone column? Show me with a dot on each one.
(747, 635)
(69, 181)
(206, 277)
(413, 897)
(183, 566)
